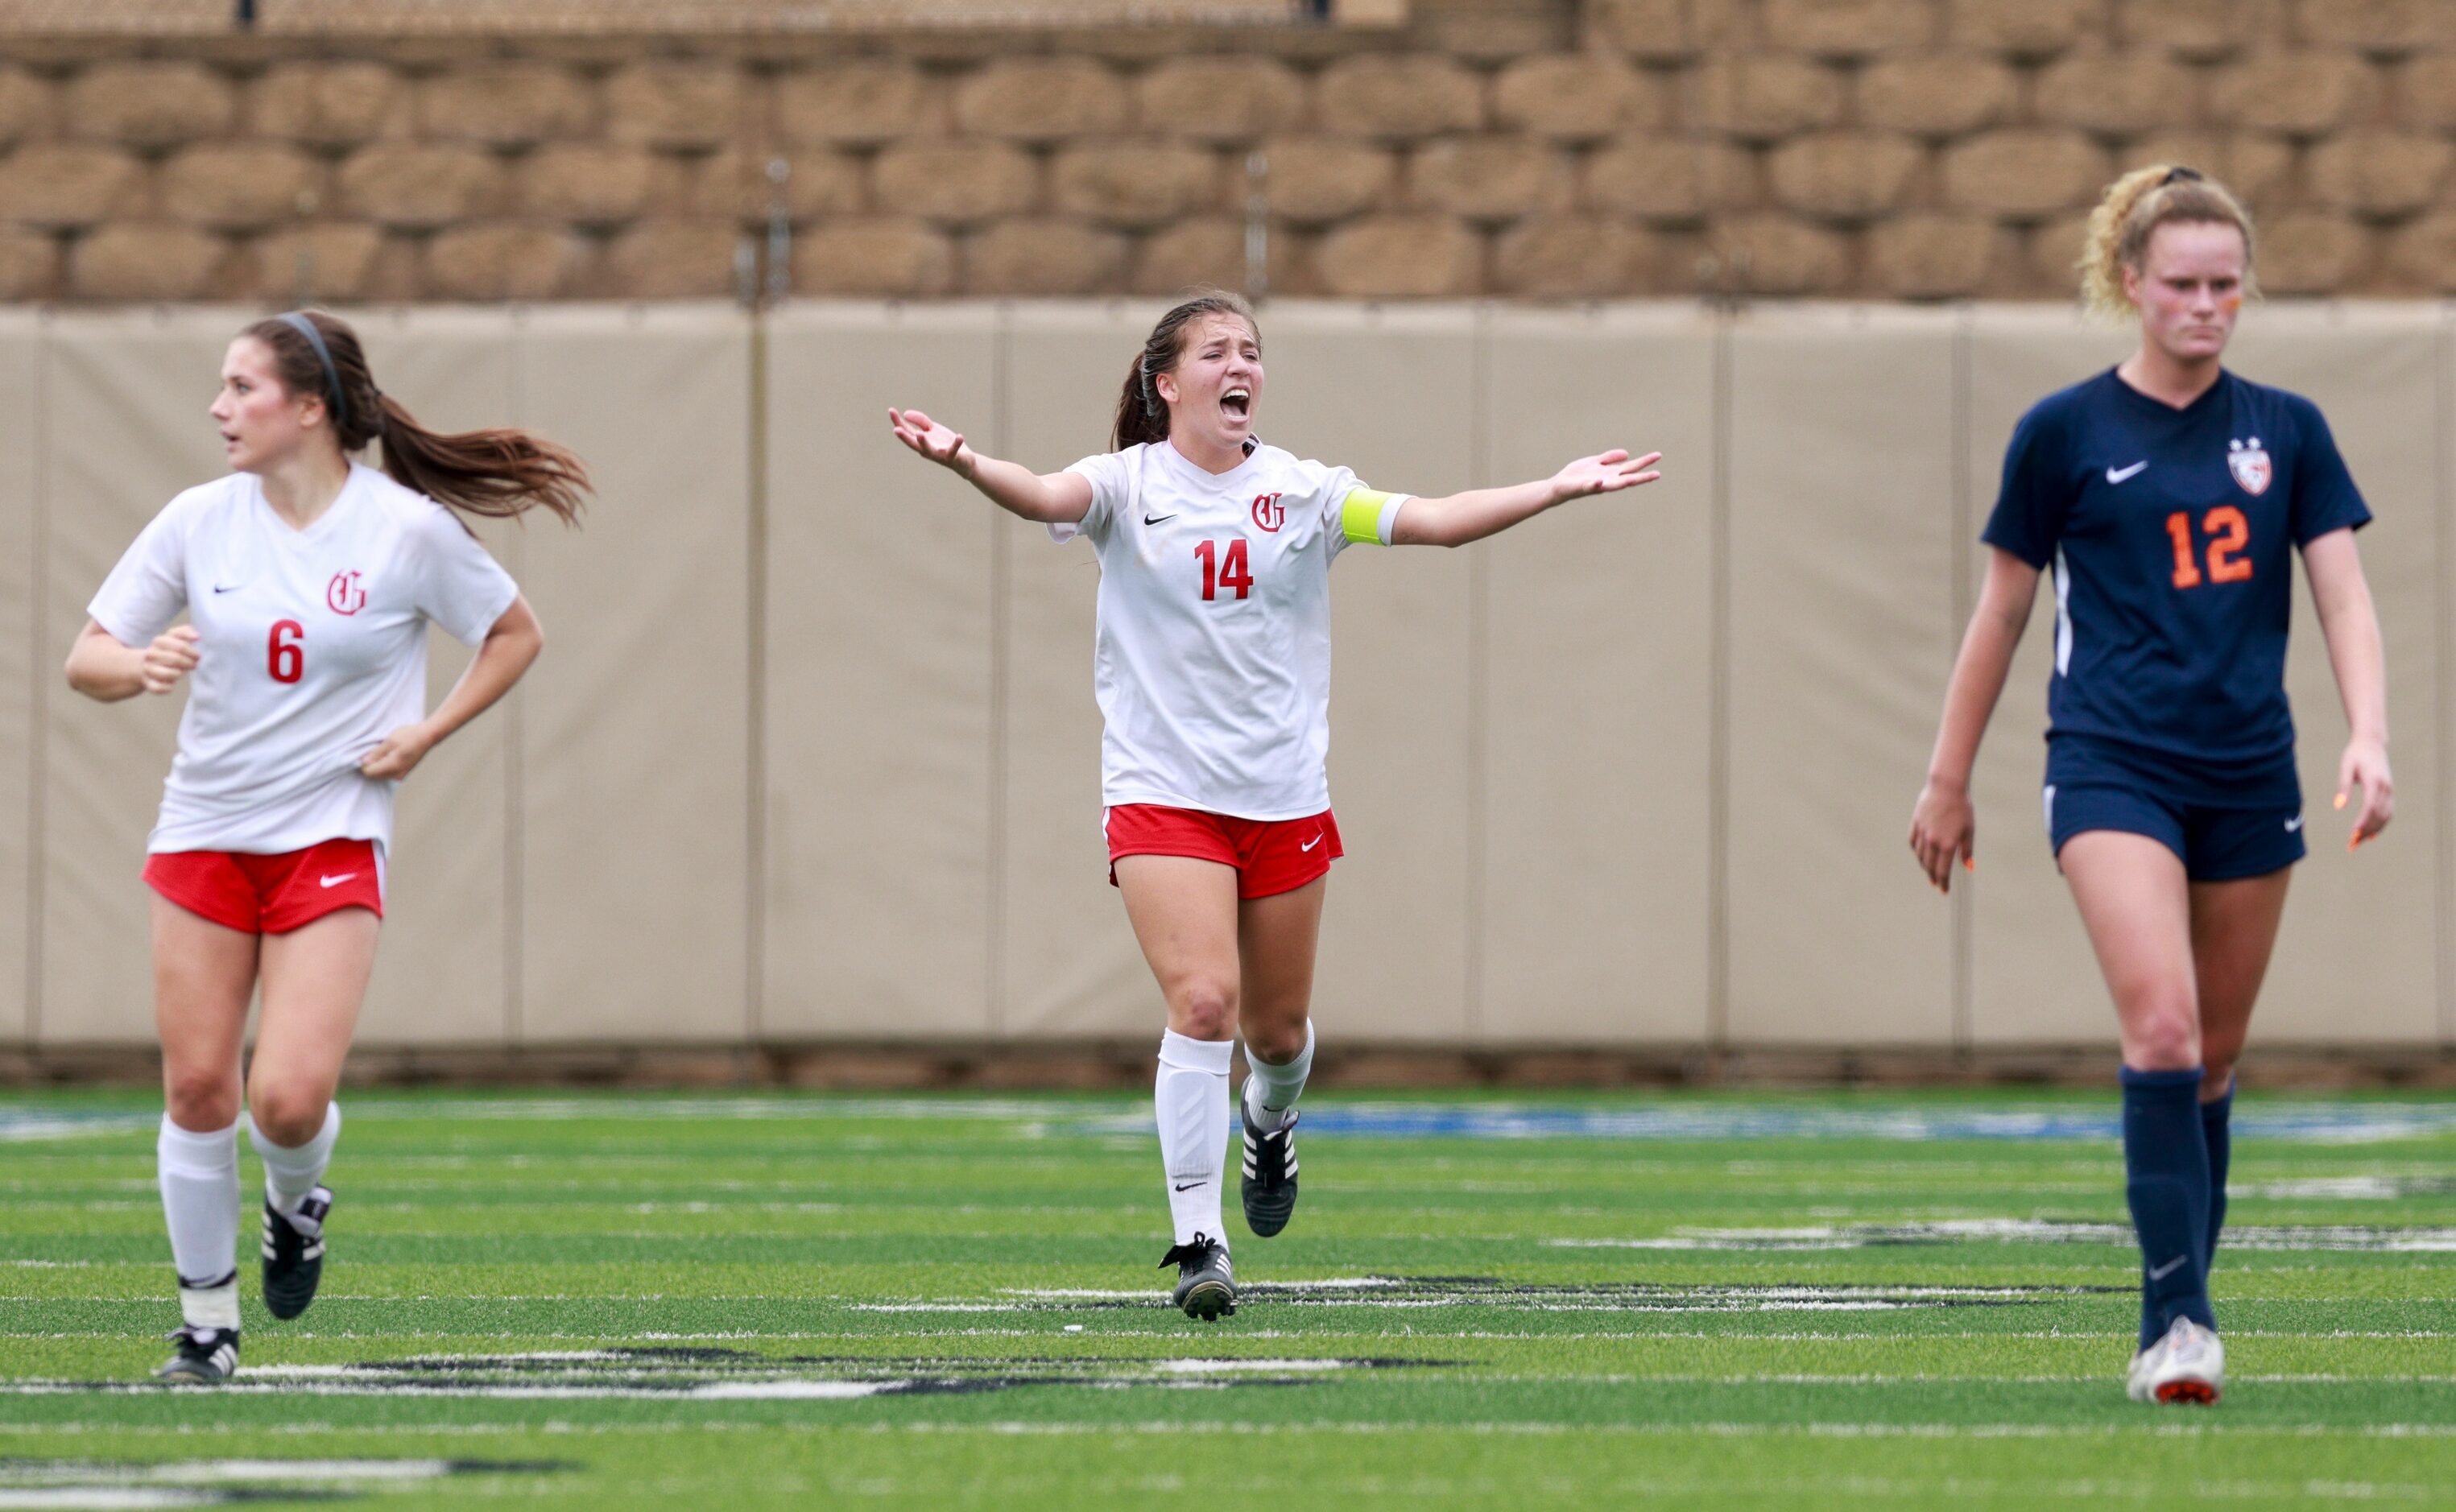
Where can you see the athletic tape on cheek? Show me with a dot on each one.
(332, 375)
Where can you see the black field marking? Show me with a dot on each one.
(715, 1375)
(1486, 1291)
(38, 1483)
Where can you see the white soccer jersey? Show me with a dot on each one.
(313, 649)
(1211, 660)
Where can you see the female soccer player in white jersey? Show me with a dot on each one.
(308, 580)
(1212, 666)
(2169, 496)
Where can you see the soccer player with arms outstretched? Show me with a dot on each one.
(2167, 496)
(1212, 666)
(309, 581)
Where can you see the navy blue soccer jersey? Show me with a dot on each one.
(2170, 537)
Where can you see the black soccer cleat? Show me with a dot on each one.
(294, 1254)
(1205, 1287)
(206, 1356)
(1269, 1184)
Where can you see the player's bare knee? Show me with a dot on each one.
(1205, 1010)
(2215, 1076)
(287, 1115)
(2165, 1038)
(202, 1101)
(1276, 1043)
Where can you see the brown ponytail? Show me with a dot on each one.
(2132, 210)
(496, 473)
(1142, 415)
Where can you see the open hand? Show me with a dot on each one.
(1607, 472)
(932, 439)
(402, 750)
(2364, 766)
(171, 657)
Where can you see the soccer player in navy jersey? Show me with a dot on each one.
(2166, 495)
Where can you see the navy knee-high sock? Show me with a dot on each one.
(2166, 1163)
(2216, 1130)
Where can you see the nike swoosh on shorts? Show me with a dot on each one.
(335, 882)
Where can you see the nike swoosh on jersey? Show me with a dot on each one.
(1153, 520)
(335, 882)
(2161, 1272)
(233, 588)
(2116, 475)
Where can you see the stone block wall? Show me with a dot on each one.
(1554, 149)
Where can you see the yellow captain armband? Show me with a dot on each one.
(1367, 513)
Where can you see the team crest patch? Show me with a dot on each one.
(2249, 464)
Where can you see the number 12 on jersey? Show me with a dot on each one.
(1229, 572)
(2232, 533)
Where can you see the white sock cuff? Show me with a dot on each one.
(319, 1145)
(185, 1151)
(1187, 1054)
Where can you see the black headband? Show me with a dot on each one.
(332, 376)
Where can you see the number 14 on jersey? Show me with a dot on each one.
(1229, 570)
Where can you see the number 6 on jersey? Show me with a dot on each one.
(285, 651)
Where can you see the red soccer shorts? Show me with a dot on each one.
(271, 894)
(1270, 855)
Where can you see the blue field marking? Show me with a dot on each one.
(2299, 1123)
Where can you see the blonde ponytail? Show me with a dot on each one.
(2132, 210)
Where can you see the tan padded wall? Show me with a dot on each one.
(127, 397)
(1842, 427)
(1597, 670)
(635, 725)
(1392, 393)
(2034, 979)
(2357, 958)
(442, 973)
(1522, 731)
(1069, 965)
(878, 752)
(22, 659)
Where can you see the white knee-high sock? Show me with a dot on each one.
(1271, 1091)
(1191, 1094)
(291, 1173)
(199, 1178)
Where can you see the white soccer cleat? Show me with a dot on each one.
(2188, 1365)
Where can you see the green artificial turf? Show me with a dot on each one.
(1707, 1301)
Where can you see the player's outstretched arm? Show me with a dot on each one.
(1051, 499)
(1942, 824)
(1481, 512)
(102, 667)
(2351, 621)
(512, 642)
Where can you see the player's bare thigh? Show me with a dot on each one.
(204, 974)
(1184, 914)
(315, 983)
(2135, 903)
(2233, 931)
(1278, 938)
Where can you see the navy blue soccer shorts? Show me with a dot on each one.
(2215, 844)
